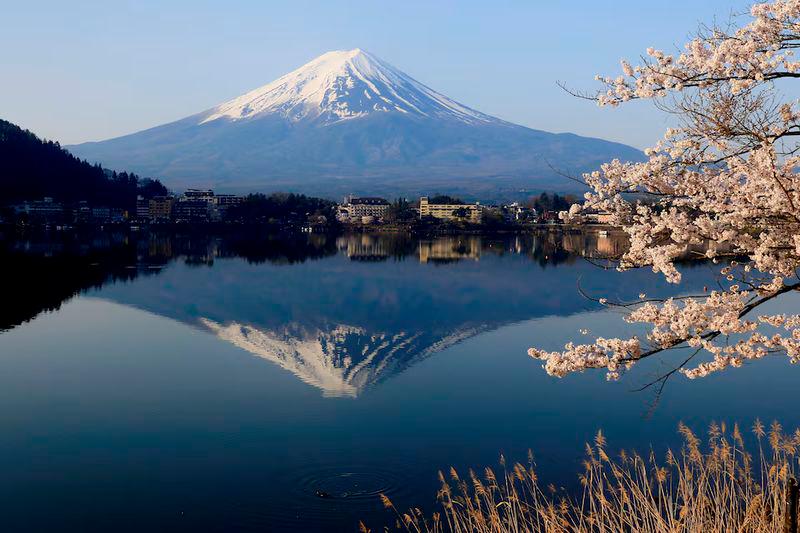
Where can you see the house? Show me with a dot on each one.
(599, 217)
(515, 212)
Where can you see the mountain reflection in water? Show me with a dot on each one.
(335, 319)
(217, 383)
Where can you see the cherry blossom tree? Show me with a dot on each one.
(723, 181)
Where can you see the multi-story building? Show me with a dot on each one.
(117, 214)
(161, 208)
(206, 195)
(366, 207)
(343, 213)
(469, 212)
(222, 202)
(227, 200)
(82, 213)
(101, 214)
(191, 211)
(43, 210)
(142, 208)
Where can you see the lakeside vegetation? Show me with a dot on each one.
(281, 208)
(721, 485)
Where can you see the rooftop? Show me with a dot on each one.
(369, 201)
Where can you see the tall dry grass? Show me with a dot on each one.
(716, 486)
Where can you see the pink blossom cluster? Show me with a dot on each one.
(612, 354)
(723, 186)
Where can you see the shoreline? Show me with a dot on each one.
(214, 228)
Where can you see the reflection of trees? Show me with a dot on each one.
(400, 245)
(547, 249)
(255, 247)
(279, 249)
(39, 274)
(39, 277)
(553, 248)
(341, 327)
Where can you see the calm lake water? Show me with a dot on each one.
(184, 383)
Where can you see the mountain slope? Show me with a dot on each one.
(348, 121)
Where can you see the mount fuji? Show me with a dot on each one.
(350, 122)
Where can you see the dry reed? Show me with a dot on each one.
(713, 487)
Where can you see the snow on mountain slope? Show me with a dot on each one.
(342, 85)
(341, 361)
(348, 122)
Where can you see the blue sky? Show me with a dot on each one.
(90, 70)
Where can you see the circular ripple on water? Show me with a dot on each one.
(350, 484)
(352, 492)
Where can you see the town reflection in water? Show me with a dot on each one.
(318, 306)
(553, 247)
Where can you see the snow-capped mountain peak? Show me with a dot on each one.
(348, 122)
(342, 85)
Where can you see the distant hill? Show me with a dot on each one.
(32, 168)
(350, 122)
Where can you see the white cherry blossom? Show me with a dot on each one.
(723, 185)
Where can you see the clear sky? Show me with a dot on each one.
(90, 70)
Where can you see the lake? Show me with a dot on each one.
(195, 383)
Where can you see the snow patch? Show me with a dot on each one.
(342, 85)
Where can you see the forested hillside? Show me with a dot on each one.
(32, 168)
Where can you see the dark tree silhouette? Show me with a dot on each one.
(32, 168)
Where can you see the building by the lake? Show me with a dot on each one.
(363, 209)
(160, 208)
(193, 206)
(469, 212)
(45, 209)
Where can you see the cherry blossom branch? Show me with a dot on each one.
(724, 184)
